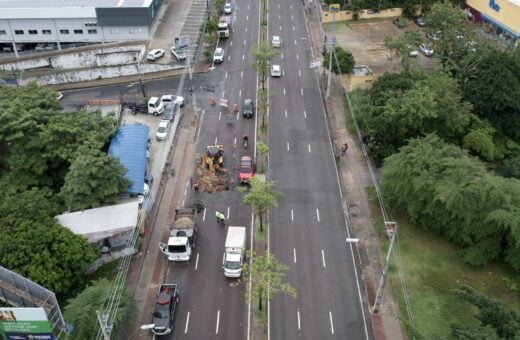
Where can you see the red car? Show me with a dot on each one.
(246, 170)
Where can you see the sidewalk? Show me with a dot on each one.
(355, 178)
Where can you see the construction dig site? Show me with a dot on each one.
(211, 176)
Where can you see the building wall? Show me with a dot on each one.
(78, 25)
(503, 11)
(326, 16)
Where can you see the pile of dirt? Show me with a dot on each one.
(183, 222)
(212, 182)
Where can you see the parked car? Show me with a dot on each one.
(169, 111)
(218, 56)
(227, 8)
(162, 130)
(276, 41)
(400, 22)
(248, 109)
(178, 54)
(419, 21)
(426, 49)
(155, 54)
(171, 98)
(276, 71)
(435, 36)
(412, 51)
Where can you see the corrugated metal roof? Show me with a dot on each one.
(129, 146)
(72, 3)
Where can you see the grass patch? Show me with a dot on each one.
(433, 270)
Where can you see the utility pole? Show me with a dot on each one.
(105, 327)
(332, 50)
(391, 231)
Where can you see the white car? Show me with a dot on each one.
(227, 8)
(218, 56)
(179, 55)
(153, 55)
(412, 52)
(276, 41)
(426, 50)
(162, 130)
(171, 98)
(276, 71)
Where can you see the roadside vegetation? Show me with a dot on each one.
(50, 163)
(447, 143)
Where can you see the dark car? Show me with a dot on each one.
(248, 109)
(164, 312)
(419, 21)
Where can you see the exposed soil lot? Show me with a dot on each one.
(365, 40)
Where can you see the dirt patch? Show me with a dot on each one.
(210, 181)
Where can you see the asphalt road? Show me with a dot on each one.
(307, 231)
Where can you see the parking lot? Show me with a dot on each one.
(365, 40)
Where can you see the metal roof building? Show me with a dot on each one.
(129, 146)
(76, 21)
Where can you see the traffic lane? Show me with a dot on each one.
(209, 310)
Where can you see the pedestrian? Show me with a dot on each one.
(196, 187)
(220, 217)
(344, 149)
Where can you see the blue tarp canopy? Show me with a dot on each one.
(129, 146)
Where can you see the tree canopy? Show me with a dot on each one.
(81, 310)
(415, 103)
(342, 61)
(94, 178)
(441, 188)
(267, 275)
(47, 253)
(261, 196)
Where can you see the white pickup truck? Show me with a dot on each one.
(182, 236)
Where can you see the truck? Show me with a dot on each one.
(165, 306)
(181, 241)
(234, 253)
(155, 106)
(224, 26)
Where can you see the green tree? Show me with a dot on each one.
(511, 166)
(401, 46)
(210, 26)
(46, 253)
(31, 205)
(493, 315)
(81, 311)
(263, 53)
(261, 196)
(493, 88)
(94, 178)
(409, 108)
(263, 150)
(455, 32)
(342, 62)
(449, 193)
(264, 278)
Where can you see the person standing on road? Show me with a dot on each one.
(344, 149)
(220, 217)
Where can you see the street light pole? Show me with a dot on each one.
(332, 50)
(391, 227)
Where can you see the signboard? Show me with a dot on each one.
(25, 323)
(224, 102)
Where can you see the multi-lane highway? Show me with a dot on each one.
(307, 231)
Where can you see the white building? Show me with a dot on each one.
(26, 23)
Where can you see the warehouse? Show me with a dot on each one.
(499, 17)
(57, 24)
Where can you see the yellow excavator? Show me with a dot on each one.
(214, 158)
